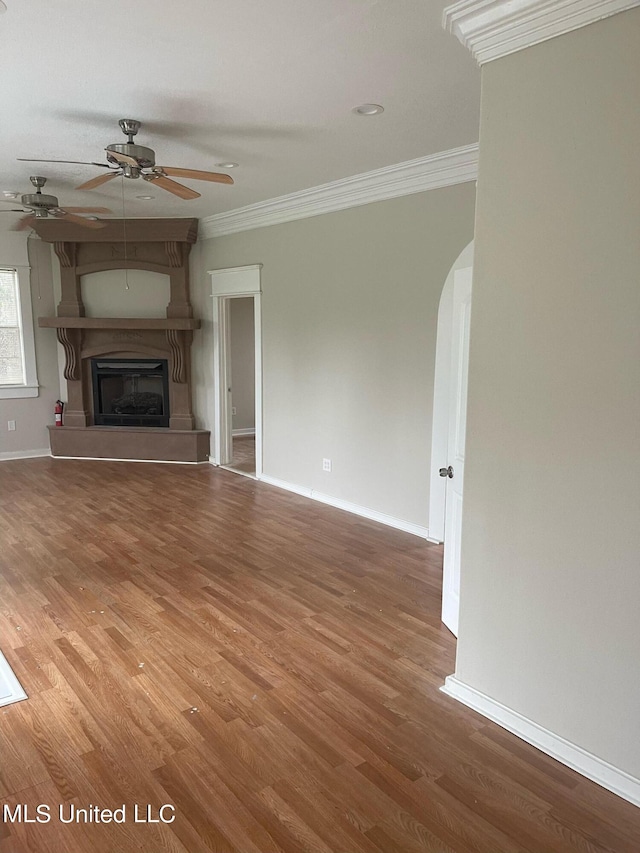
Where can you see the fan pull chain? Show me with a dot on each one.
(30, 248)
(124, 234)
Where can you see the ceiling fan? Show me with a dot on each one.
(137, 161)
(41, 206)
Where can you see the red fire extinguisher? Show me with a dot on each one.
(59, 406)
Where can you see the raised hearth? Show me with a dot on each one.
(152, 444)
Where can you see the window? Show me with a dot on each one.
(17, 350)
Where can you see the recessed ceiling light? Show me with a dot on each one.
(145, 197)
(368, 110)
(9, 193)
(226, 165)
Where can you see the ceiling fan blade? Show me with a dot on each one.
(65, 216)
(87, 210)
(13, 210)
(171, 186)
(197, 175)
(25, 222)
(96, 182)
(122, 158)
(76, 162)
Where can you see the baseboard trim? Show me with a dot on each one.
(248, 431)
(116, 459)
(347, 506)
(573, 756)
(288, 487)
(24, 454)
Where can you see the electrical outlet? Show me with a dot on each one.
(11, 425)
(326, 465)
(233, 410)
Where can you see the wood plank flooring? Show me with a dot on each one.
(267, 665)
(244, 455)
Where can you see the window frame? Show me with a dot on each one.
(30, 386)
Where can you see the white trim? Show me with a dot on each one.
(117, 459)
(589, 765)
(10, 688)
(235, 281)
(347, 506)
(237, 433)
(24, 454)
(491, 29)
(289, 487)
(15, 392)
(28, 388)
(257, 329)
(443, 169)
(227, 284)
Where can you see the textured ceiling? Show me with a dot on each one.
(269, 84)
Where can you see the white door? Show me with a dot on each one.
(453, 470)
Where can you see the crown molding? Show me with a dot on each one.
(456, 166)
(491, 29)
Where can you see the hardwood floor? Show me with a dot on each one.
(244, 455)
(268, 665)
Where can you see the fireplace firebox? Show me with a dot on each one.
(130, 392)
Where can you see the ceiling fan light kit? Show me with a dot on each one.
(130, 160)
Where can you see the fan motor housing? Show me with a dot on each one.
(146, 157)
(39, 201)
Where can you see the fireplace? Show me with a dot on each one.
(128, 379)
(130, 392)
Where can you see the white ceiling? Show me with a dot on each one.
(269, 84)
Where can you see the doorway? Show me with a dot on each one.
(237, 411)
(243, 384)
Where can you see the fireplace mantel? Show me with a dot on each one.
(179, 323)
(156, 245)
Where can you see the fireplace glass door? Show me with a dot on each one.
(130, 392)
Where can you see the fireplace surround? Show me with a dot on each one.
(157, 245)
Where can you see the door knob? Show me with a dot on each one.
(446, 472)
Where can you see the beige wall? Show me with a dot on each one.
(550, 583)
(350, 303)
(32, 414)
(243, 363)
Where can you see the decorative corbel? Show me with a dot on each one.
(70, 340)
(176, 340)
(174, 253)
(66, 253)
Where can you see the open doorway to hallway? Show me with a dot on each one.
(236, 413)
(243, 385)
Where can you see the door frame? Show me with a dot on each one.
(227, 284)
